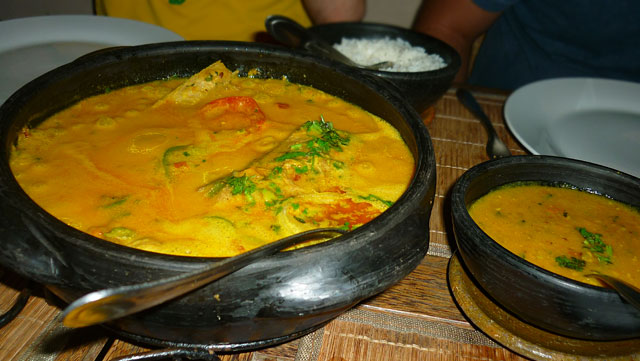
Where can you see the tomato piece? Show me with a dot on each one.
(233, 113)
(346, 211)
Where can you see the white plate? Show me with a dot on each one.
(32, 46)
(590, 119)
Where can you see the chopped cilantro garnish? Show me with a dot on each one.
(239, 185)
(276, 189)
(290, 155)
(301, 170)
(572, 263)
(594, 243)
(323, 139)
(275, 172)
(242, 185)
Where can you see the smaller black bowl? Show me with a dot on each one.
(539, 297)
(421, 89)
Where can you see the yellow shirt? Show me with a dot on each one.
(206, 19)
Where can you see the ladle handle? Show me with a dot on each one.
(287, 31)
(113, 303)
(627, 291)
(290, 33)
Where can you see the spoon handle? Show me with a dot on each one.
(627, 291)
(291, 33)
(286, 31)
(113, 303)
(495, 147)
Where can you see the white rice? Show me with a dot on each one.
(406, 58)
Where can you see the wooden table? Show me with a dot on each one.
(416, 319)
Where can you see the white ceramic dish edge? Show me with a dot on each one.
(591, 119)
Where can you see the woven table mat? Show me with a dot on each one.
(366, 335)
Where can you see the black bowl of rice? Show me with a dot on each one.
(423, 66)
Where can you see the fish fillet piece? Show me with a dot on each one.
(197, 87)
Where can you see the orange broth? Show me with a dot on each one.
(213, 165)
(564, 230)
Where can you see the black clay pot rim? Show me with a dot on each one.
(458, 203)
(424, 170)
(452, 57)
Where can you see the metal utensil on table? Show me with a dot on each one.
(113, 303)
(495, 147)
(627, 291)
(291, 33)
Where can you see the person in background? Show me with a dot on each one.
(529, 40)
(329, 11)
(227, 19)
(205, 19)
(523, 40)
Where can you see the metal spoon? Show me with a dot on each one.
(628, 292)
(291, 33)
(112, 303)
(495, 147)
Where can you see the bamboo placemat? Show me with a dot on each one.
(364, 334)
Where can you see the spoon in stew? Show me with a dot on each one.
(627, 291)
(113, 303)
(495, 147)
(291, 33)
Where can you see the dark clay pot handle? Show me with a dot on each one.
(29, 250)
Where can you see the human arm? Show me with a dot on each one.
(457, 22)
(328, 11)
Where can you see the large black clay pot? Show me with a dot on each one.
(268, 302)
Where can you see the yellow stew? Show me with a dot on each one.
(564, 230)
(213, 165)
